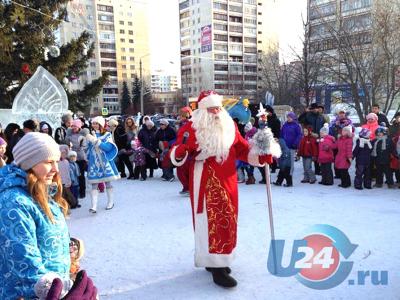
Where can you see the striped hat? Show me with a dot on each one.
(33, 148)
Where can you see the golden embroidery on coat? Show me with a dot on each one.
(221, 214)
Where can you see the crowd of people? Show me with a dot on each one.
(332, 146)
(43, 175)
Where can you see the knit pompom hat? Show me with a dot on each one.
(324, 128)
(348, 128)
(33, 148)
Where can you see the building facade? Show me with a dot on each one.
(221, 41)
(120, 33)
(163, 83)
(166, 103)
(328, 17)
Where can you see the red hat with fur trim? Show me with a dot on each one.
(209, 99)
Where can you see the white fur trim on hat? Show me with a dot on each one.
(210, 101)
(99, 120)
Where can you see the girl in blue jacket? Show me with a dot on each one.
(34, 236)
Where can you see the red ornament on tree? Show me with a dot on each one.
(25, 69)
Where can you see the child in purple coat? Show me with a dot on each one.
(326, 144)
(362, 155)
(344, 156)
(138, 157)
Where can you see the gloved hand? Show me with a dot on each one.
(91, 138)
(82, 289)
(84, 132)
(266, 158)
(181, 151)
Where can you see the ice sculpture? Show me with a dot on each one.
(42, 97)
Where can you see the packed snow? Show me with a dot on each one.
(143, 248)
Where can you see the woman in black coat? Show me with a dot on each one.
(147, 137)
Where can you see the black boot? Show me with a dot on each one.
(227, 269)
(222, 278)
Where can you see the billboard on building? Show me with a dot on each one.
(206, 39)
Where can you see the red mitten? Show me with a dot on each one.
(180, 151)
(265, 159)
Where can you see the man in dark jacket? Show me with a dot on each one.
(61, 132)
(121, 141)
(165, 137)
(147, 137)
(381, 116)
(312, 118)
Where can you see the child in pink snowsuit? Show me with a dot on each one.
(326, 144)
(344, 156)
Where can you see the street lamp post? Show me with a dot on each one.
(141, 83)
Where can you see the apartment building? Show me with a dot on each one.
(220, 44)
(163, 83)
(328, 16)
(120, 32)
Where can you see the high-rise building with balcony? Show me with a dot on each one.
(120, 33)
(328, 17)
(163, 83)
(221, 41)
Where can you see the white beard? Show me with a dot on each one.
(215, 133)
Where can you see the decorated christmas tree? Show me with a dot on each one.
(28, 40)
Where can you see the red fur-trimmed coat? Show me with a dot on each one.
(214, 198)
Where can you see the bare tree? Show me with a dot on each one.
(363, 52)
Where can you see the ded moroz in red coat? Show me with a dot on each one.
(214, 198)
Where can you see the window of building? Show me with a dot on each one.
(221, 47)
(131, 41)
(220, 17)
(104, 8)
(92, 64)
(131, 50)
(123, 67)
(110, 64)
(107, 46)
(123, 49)
(235, 19)
(107, 36)
(220, 27)
(123, 57)
(107, 55)
(105, 18)
(121, 31)
(121, 22)
(220, 6)
(106, 27)
(93, 73)
(130, 23)
(132, 58)
(122, 40)
(234, 8)
(220, 37)
(235, 39)
(130, 32)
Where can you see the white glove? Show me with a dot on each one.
(91, 138)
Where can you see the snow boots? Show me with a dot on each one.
(110, 199)
(222, 278)
(251, 180)
(94, 194)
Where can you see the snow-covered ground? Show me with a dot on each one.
(143, 248)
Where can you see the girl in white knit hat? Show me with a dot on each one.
(101, 152)
(34, 236)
